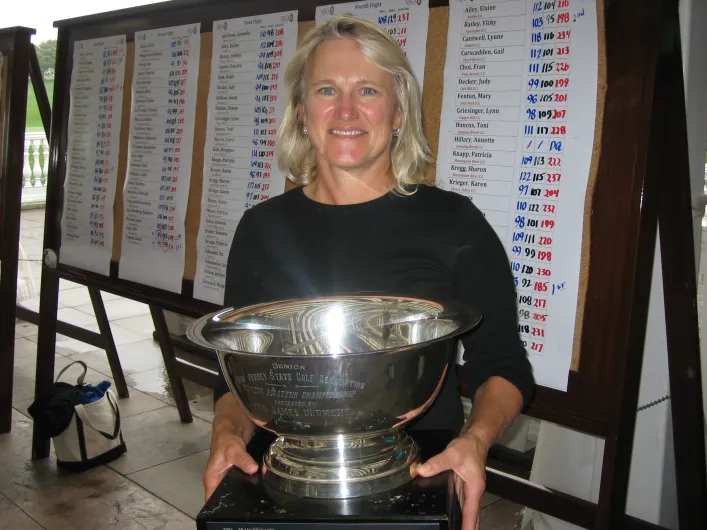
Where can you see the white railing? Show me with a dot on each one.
(35, 169)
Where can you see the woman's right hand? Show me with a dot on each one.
(228, 450)
(230, 435)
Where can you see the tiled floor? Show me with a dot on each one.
(157, 483)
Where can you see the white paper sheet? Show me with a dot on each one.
(96, 105)
(160, 154)
(516, 136)
(405, 20)
(247, 101)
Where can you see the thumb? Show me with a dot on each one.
(436, 464)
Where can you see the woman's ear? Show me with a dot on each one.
(301, 115)
(397, 119)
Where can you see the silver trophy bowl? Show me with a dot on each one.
(336, 379)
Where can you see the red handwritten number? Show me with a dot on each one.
(540, 287)
(536, 347)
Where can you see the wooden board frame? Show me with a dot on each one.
(15, 45)
(602, 394)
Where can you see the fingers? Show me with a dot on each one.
(237, 456)
(471, 507)
(228, 452)
(446, 460)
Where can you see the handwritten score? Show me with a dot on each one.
(160, 154)
(405, 20)
(516, 136)
(92, 155)
(247, 101)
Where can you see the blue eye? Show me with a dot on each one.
(368, 91)
(326, 91)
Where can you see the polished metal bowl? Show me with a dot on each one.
(336, 378)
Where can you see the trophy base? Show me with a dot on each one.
(340, 467)
(245, 502)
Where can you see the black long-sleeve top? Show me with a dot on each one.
(433, 244)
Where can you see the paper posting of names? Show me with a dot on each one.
(517, 127)
(95, 111)
(405, 20)
(160, 153)
(247, 101)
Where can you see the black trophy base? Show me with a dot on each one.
(243, 502)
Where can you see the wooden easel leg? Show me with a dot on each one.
(180, 395)
(680, 288)
(109, 344)
(46, 348)
(49, 290)
(11, 201)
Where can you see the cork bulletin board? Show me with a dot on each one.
(431, 112)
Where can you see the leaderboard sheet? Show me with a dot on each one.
(92, 155)
(247, 101)
(516, 136)
(159, 157)
(405, 20)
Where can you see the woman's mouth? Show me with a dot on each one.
(339, 132)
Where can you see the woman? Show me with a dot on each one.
(363, 221)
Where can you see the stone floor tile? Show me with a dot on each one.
(141, 325)
(135, 357)
(156, 383)
(500, 515)
(159, 436)
(24, 376)
(80, 296)
(119, 308)
(178, 482)
(12, 518)
(67, 284)
(92, 499)
(203, 407)
(72, 315)
(32, 303)
(488, 499)
(25, 329)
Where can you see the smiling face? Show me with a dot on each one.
(349, 109)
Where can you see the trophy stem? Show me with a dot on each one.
(342, 466)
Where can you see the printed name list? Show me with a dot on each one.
(159, 166)
(92, 155)
(247, 100)
(517, 132)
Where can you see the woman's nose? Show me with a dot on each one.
(346, 107)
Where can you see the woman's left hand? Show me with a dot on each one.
(466, 457)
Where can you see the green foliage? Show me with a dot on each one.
(46, 53)
(34, 120)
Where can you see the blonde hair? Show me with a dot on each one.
(409, 150)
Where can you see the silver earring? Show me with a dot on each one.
(396, 132)
(304, 130)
